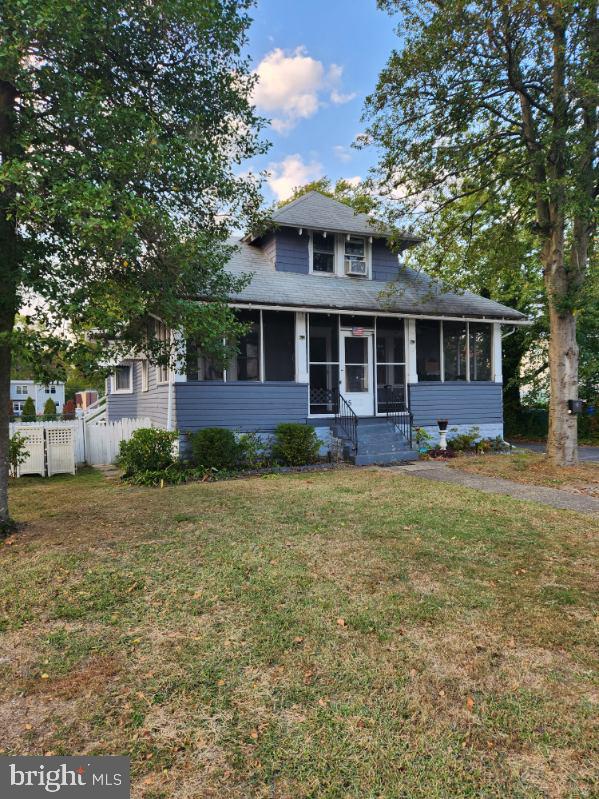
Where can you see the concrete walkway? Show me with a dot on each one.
(555, 497)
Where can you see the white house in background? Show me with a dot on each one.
(21, 389)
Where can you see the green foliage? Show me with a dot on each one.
(464, 442)
(17, 452)
(215, 448)
(423, 438)
(255, 452)
(28, 414)
(295, 444)
(175, 474)
(49, 410)
(148, 449)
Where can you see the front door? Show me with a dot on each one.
(356, 383)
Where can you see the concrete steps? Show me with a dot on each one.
(380, 442)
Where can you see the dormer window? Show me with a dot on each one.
(323, 253)
(339, 254)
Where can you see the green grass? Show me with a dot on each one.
(339, 634)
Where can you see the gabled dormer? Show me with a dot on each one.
(318, 235)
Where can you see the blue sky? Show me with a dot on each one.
(317, 60)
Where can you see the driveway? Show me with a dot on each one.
(584, 453)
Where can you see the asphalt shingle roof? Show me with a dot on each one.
(416, 294)
(315, 211)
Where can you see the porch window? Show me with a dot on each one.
(479, 344)
(323, 355)
(454, 350)
(428, 350)
(161, 334)
(246, 364)
(278, 335)
(323, 253)
(390, 363)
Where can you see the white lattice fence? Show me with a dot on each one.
(60, 450)
(35, 462)
(103, 440)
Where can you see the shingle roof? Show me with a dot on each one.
(416, 294)
(315, 211)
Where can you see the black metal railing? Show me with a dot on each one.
(347, 420)
(329, 401)
(398, 411)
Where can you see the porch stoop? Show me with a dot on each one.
(379, 441)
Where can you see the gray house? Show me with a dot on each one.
(342, 338)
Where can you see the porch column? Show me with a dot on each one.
(497, 367)
(411, 370)
(301, 348)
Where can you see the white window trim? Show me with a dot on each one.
(129, 390)
(339, 255)
(145, 374)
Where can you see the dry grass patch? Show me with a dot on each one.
(533, 469)
(351, 634)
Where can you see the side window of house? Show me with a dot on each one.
(480, 349)
(454, 350)
(428, 350)
(323, 253)
(122, 379)
(246, 364)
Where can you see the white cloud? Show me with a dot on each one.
(292, 171)
(355, 181)
(342, 153)
(290, 86)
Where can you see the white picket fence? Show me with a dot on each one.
(94, 443)
(103, 440)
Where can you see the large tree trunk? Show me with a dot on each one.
(9, 261)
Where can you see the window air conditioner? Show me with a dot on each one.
(356, 266)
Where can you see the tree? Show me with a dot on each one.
(496, 95)
(122, 124)
(28, 414)
(49, 410)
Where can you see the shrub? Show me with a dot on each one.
(215, 448)
(28, 413)
(255, 452)
(17, 452)
(148, 449)
(295, 444)
(49, 410)
(464, 442)
(423, 439)
(68, 410)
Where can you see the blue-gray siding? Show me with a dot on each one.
(385, 264)
(152, 403)
(292, 251)
(239, 406)
(461, 403)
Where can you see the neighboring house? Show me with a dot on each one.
(21, 389)
(85, 398)
(331, 345)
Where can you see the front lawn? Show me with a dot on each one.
(533, 469)
(358, 633)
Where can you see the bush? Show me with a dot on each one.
(295, 444)
(215, 448)
(49, 410)
(17, 452)
(255, 452)
(464, 442)
(28, 413)
(148, 449)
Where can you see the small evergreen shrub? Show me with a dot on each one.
(148, 449)
(68, 410)
(28, 413)
(215, 448)
(49, 410)
(295, 444)
(255, 452)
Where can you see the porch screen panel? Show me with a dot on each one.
(279, 345)
(390, 363)
(479, 343)
(428, 350)
(323, 354)
(201, 366)
(454, 350)
(246, 364)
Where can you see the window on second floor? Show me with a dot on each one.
(323, 252)
(22, 390)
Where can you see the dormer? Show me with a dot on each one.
(318, 235)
